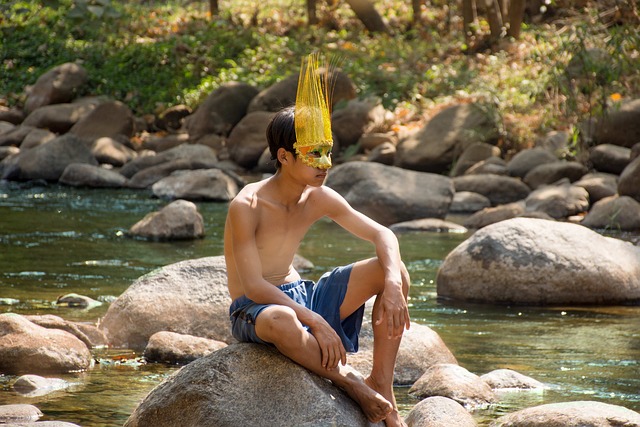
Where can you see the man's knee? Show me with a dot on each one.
(276, 322)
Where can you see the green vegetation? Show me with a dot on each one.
(153, 55)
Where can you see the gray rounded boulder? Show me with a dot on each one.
(540, 262)
(246, 385)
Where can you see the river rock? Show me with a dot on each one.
(48, 161)
(84, 175)
(550, 173)
(179, 220)
(533, 261)
(570, 414)
(56, 86)
(421, 347)
(74, 300)
(440, 142)
(598, 185)
(15, 135)
(508, 378)
(358, 117)
(37, 137)
(110, 119)
(614, 213)
(86, 333)
(164, 141)
(455, 382)
(35, 385)
(389, 194)
(609, 158)
(8, 151)
(28, 348)
(629, 183)
(498, 189)
(58, 118)
(14, 116)
(112, 152)
(439, 411)
(473, 154)
(384, 153)
(149, 176)
(170, 347)
(468, 202)
(18, 413)
(221, 111)
(248, 139)
(558, 201)
(491, 166)
(246, 385)
(526, 160)
(203, 184)
(172, 119)
(188, 297)
(193, 152)
(283, 93)
(488, 216)
(620, 126)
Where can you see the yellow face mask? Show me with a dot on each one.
(316, 156)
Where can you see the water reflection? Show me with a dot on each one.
(56, 240)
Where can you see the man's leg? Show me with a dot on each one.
(367, 280)
(280, 326)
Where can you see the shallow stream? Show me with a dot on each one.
(56, 240)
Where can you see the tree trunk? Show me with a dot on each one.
(213, 7)
(415, 5)
(371, 19)
(311, 11)
(495, 18)
(469, 16)
(516, 14)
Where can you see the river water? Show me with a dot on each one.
(56, 240)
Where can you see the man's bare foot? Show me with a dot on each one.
(393, 419)
(375, 406)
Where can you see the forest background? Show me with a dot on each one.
(569, 62)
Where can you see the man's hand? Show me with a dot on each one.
(393, 309)
(331, 347)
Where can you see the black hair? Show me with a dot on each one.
(281, 133)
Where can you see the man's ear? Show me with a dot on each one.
(282, 155)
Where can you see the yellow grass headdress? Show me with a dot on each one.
(313, 113)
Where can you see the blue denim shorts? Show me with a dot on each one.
(324, 298)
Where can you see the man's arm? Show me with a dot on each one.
(394, 304)
(242, 226)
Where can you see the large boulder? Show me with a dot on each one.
(188, 297)
(189, 152)
(246, 385)
(549, 173)
(473, 154)
(389, 194)
(609, 158)
(56, 86)
(598, 185)
(438, 145)
(558, 201)
(358, 117)
(570, 414)
(621, 126)
(59, 118)
(202, 184)
(498, 189)
(534, 261)
(169, 347)
(248, 139)
(108, 119)
(220, 111)
(26, 348)
(526, 160)
(48, 161)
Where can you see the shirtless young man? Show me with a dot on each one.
(272, 304)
